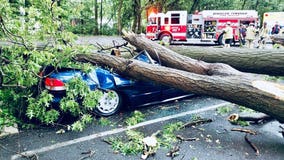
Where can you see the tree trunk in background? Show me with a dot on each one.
(242, 89)
(96, 29)
(244, 4)
(261, 61)
(136, 26)
(256, 4)
(161, 6)
(139, 29)
(101, 18)
(119, 13)
(194, 6)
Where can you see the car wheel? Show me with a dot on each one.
(221, 40)
(109, 103)
(166, 38)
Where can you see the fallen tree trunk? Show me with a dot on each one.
(241, 89)
(172, 59)
(261, 61)
(252, 60)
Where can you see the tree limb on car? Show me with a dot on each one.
(241, 88)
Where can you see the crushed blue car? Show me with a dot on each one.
(125, 92)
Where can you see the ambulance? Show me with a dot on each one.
(205, 26)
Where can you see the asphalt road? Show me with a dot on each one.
(216, 140)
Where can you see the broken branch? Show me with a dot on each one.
(89, 154)
(244, 130)
(173, 152)
(186, 139)
(195, 123)
(253, 146)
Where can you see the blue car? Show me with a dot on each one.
(125, 92)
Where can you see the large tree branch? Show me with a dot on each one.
(170, 58)
(244, 90)
(262, 61)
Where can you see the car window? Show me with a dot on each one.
(145, 57)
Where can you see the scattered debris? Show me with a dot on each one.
(87, 154)
(107, 141)
(218, 141)
(9, 130)
(173, 152)
(197, 122)
(186, 139)
(251, 132)
(33, 156)
(244, 130)
(282, 130)
(253, 146)
(150, 145)
(61, 131)
(253, 117)
(233, 117)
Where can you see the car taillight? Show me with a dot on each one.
(54, 84)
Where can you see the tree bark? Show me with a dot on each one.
(259, 61)
(243, 5)
(242, 89)
(96, 29)
(247, 60)
(136, 26)
(172, 59)
(194, 6)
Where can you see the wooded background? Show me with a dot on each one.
(108, 17)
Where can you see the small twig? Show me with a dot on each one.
(186, 139)
(173, 152)
(198, 122)
(282, 130)
(89, 154)
(253, 146)
(10, 34)
(244, 130)
(156, 133)
(13, 85)
(107, 141)
(115, 46)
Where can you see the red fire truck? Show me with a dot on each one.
(204, 26)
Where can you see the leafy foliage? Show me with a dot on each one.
(168, 135)
(38, 39)
(136, 118)
(134, 144)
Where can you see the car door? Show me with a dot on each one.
(141, 92)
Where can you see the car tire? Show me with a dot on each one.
(221, 40)
(166, 38)
(109, 103)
